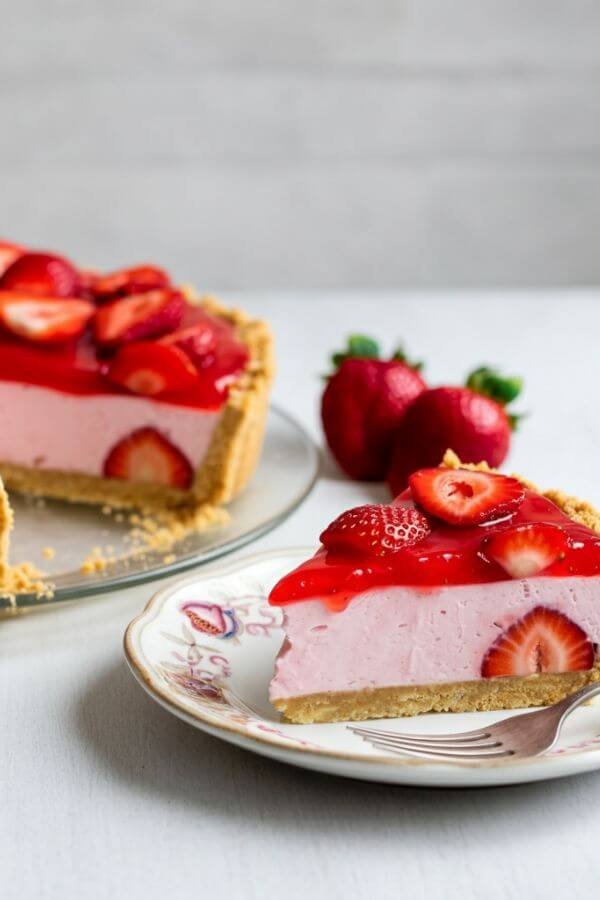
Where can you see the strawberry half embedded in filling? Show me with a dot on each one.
(544, 640)
(138, 317)
(374, 530)
(464, 497)
(42, 274)
(135, 280)
(152, 369)
(43, 319)
(527, 550)
(148, 456)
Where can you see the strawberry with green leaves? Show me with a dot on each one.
(472, 420)
(363, 405)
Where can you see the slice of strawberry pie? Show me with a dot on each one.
(124, 389)
(471, 591)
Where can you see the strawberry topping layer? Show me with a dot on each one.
(84, 332)
(80, 367)
(513, 546)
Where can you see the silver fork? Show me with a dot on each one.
(526, 734)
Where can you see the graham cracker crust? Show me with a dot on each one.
(456, 696)
(231, 457)
(6, 524)
(462, 696)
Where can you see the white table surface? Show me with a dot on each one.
(104, 794)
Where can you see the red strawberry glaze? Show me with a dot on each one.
(78, 367)
(448, 556)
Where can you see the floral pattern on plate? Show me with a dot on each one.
(201, 671)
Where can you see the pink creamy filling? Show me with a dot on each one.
(399, 635)
(75, 432)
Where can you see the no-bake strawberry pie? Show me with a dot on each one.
(123, 388)
(471, 591)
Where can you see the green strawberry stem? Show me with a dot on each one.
(502, 389)
(359, 347)
(400, 356)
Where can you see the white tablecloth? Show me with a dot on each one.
(104, 794)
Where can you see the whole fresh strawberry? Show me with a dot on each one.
(472, 421)
(363, 405)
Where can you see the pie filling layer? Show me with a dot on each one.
(406, 636)
(73, 432)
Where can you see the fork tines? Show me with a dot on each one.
(468, 745)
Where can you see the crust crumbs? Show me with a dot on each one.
(579, 511)
(24, 578)
(160, 531)
(156, 532)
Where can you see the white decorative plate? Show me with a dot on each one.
(204, 649)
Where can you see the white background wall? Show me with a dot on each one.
(302, 143)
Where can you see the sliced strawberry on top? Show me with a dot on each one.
(544, 640)
(138, 316)
(376, 530)
(147, 455)
(198, 341)
(43, 274)
(8, 254)
(463, 497)
(152, 369)
(86, 280)
(135, 280)
(527, 550)
(43, 319)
